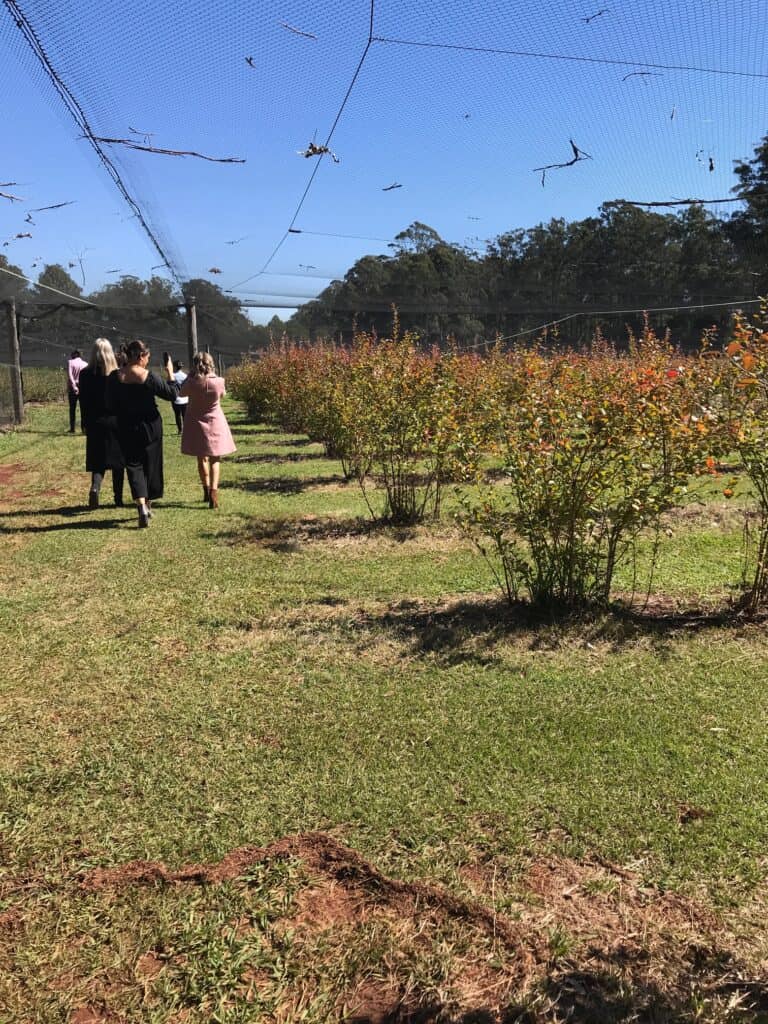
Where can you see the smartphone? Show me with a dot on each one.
(166, 358)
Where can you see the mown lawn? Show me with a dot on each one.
(278, 668)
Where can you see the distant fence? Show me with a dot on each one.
(6, 396)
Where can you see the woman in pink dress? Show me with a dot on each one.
(205, 432)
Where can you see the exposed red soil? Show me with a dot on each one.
(9, 471)
(323, 855)
(578, 939)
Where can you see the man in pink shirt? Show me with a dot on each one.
(74, 365)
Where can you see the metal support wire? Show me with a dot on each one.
(79, 117)
(325, 146)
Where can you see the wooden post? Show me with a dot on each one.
(191, 328)
(15, 360)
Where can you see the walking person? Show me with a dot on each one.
(102, 447)
(179, 403)
(75, 365)
(206, 433)
(131, 395)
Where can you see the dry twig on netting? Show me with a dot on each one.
(55, 206)
(390, 188)
(597, 14)
(642, 74)
(578, 155)
(21, 234)
(298, 31)
(146, 136)
(130, 144)
(314, 150)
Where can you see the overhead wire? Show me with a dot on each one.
(541, 55)
(621, 312)
(81, 120)
(320, 158)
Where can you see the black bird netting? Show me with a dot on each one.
(479, 166)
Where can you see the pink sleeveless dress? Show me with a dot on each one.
(205, 430)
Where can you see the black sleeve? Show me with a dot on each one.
(167, 389)
(110, 395)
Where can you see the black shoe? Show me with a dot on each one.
(143, 517)
(93, 499)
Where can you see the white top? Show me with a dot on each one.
(180, 377)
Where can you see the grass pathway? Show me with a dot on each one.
(276, 668)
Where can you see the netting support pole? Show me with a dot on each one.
(191, 309)
(15, 361)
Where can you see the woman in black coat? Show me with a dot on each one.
(102, 449)
(131, 393)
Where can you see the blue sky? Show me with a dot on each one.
(459, 129)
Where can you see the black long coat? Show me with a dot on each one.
(102, 448)
(140, 428)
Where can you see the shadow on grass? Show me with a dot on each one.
(252, 429)
(289, 535)
(277, 459)
(68, 511)
(468, 631)
(71, 524)
(603, 996)
(607, 996)
(282, 484)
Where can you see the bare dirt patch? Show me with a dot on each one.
(577, 940)
(10, 472)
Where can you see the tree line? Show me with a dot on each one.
(625, 258)
(50, 323)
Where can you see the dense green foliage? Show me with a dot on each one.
(573, 454)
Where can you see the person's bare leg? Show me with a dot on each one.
(204, 472)
(215, 472)
(144, 513)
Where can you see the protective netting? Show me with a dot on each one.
(437, 113)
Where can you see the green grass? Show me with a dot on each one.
(229, 678)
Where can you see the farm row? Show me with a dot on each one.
(570, 456)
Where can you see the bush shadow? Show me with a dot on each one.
(282, 484)
(609, 994)
(277, 459)
(289, 535)
(469, 630)
(251, 429)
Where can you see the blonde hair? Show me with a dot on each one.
(102, 360)
(203, 365)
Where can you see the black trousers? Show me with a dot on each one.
(178, 412)
(118, 476)
(144, 469)
(73, 401)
